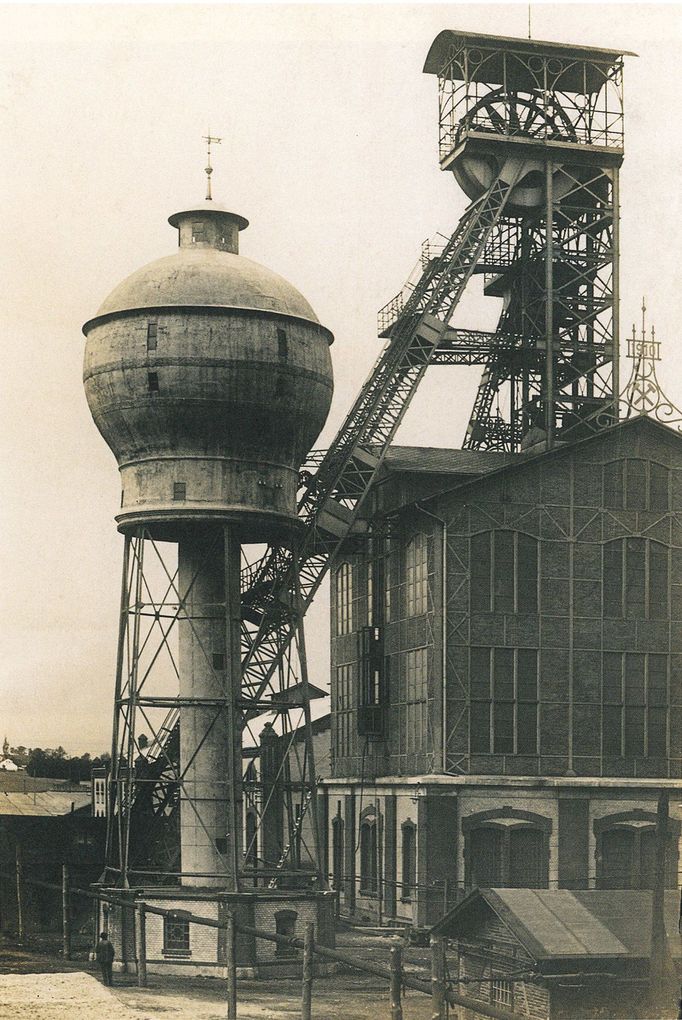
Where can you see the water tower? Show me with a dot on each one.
(209, 376)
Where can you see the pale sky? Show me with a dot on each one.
(330, 150)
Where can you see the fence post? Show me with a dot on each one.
(66, 918)
(231, 954)
(396, 982)
(20, 905)
(308, 958)
(141, 944)
(438, 979)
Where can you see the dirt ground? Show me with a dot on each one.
(36, 984)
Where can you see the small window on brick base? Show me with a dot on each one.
(285, 924)
(176, 935)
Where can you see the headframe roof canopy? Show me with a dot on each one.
(518, 63)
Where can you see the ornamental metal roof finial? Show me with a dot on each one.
(210, 140)
(643, 393)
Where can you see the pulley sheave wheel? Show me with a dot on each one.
(508, 114)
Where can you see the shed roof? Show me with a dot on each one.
(446, 461)
(42, 805)
(554, 924)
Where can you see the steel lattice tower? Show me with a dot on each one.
(551, 367)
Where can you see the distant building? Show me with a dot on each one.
(7, 765)
(558, 954)
(506, 673)
(48, 824)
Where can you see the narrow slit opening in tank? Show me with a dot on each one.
(282, 344)
(153, 382)
(218, 660)
(152, 331)
(179, 490)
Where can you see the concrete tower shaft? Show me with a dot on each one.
(209, 376)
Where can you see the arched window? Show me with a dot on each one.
(636, 576)
(626, 851)
(416, 575)
(344, 599)
(504, 572)
(368, 856)
(506, 848)
(633, 484)
(409, 860)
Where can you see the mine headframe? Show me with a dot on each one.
(552, 365)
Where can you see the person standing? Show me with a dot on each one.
(105, 958)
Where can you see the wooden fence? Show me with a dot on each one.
(395, 975)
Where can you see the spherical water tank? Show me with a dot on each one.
(210, 378)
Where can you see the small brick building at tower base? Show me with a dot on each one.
(506, 674)
(176, 945)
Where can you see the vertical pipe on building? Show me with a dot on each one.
(615, 296)
(444, 632)
(549, 305)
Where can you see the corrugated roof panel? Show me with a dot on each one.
(42, 805)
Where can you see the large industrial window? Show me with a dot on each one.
(416, 575)
(636, 485)
(501, 992)
(626, 857)
(413, 701)
(409, 861)
(507, 857)
(636, 579)
(503, 700)
(344, 599)
(176, 936)
(635, 704)
(504, 572)
(368, 857)
(342, 710)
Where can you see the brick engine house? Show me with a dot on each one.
(506, 697)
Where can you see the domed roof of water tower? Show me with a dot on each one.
(206, 271)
